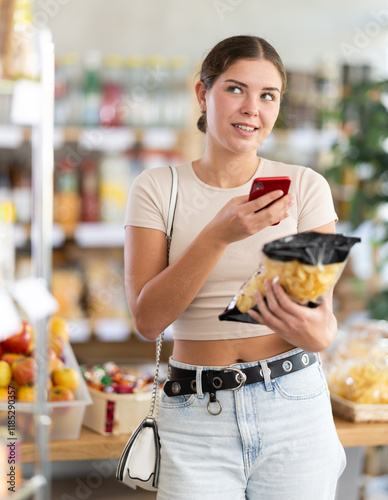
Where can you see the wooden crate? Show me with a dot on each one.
(358, 412)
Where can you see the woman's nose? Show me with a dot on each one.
(250, 108)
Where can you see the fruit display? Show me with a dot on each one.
(66, 392)
(18, 366)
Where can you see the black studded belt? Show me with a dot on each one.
(231, 378)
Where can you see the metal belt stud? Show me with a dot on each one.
(176, 387)
(305, 359)
(287, 366)
(217, 383)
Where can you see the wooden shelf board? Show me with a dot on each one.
(93, 446)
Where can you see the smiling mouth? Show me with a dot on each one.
(246, 128)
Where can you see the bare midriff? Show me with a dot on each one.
(228, 352)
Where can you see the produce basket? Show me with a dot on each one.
(66, 416)
(113, 414)
(359, 412)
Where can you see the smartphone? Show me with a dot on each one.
(264, 185)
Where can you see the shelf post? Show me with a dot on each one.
(41, 241)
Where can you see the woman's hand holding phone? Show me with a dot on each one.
(241, 218)
(263, 185)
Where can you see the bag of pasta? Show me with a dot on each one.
(306, 264)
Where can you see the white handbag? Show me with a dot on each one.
(139, 462)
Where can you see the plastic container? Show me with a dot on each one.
(66, 416)
(113, 414)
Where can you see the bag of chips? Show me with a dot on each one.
(306, 264)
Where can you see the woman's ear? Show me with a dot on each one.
(200, 92)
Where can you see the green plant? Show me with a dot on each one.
(360, 171)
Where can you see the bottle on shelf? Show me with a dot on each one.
(92, 88)
(90, 203)
(155, 85)
(114, 173)
(112, 92)
(68, 96)
(19, 57)
(135, 92)
(177, 104)
(67, 205)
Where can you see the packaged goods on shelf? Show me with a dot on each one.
(105, 293)
(89, 188)
(68, 90)
(134, 91)
(67, 202)
(92, 88)
(122, 91)
(18, 46)
(357, 374)
(114, 186)
(112, 92)
(68, 290)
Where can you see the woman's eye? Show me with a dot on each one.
(234, 89)
(268, 96)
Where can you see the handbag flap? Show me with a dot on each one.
(139, 461)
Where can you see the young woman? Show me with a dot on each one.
(246, 412)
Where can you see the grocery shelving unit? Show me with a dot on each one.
(41, 138)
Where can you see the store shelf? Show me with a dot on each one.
(99, 234)
(93, 446)
(97, 138)
(22, 235)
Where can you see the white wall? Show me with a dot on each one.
(303, 31)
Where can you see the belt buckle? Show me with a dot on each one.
(240, 377)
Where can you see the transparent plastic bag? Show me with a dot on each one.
(306, 265)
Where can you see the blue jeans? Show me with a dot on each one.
(273, 440)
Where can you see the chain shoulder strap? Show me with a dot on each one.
(154, 406)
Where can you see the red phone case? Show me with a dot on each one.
(264, 185)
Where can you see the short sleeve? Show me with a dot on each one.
(145, 206)
(316, 207)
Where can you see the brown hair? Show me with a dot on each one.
(231, 50)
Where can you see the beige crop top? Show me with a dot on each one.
(197, 205)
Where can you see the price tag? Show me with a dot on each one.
(32, 295)
(26, 103)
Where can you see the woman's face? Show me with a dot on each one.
(242, 105)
